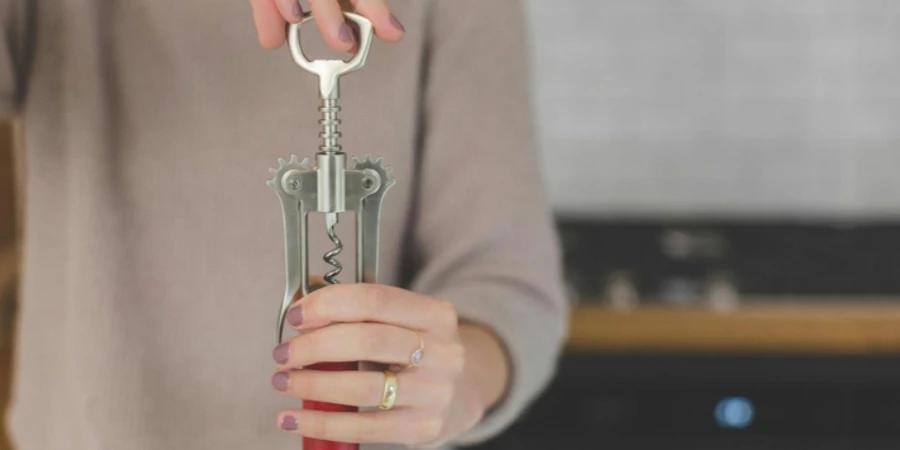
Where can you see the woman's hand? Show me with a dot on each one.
(461, 374)
(271, 16)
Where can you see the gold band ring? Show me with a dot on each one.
(390, 391)
(416, 357)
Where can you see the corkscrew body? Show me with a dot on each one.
(330, 187)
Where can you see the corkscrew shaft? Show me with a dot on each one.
(332, 182)
(331, 256)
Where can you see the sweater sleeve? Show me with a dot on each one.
(484, 228)
(15, 17)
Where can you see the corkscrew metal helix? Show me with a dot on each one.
(329, 188)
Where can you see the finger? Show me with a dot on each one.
(315, 283)
(406, 426)
(372, 342)
(334, 29)
(363, 302)
(269, 23)
(290, 10)
(361, 388)
(387, 26)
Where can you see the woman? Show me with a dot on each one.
(153, 249)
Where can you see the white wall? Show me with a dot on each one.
(725, 107)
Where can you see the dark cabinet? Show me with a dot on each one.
(709, 402)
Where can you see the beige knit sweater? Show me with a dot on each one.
(153, 247)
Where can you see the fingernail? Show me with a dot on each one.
(281, 353)
(298, 10)
(397, 23)
(289, 423)
(281, 381)
(346, 34)
(295, 316)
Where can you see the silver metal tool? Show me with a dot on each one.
(330, 188)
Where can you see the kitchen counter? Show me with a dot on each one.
(770, 326)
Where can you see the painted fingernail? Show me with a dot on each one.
(289, 423)
(298, 10)
(295, 316)
(281, 353)
(345, 33)
(281, 381)
(396, 23)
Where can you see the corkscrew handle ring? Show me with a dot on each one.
(328, 70)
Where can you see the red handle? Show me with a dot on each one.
(315, 444)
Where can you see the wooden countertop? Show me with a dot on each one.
(810, 326)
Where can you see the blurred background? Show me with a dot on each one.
(725, 178)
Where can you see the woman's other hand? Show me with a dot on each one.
(461, 373)
(271, 17)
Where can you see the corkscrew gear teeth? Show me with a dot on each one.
(385, 173)
(284, 166)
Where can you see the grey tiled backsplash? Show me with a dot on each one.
(720, 107)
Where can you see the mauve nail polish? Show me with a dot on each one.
(295, 316)
(281, 353)
(289, 423)
(298, 10)
(397, 23)
(281, 381)
(345, 33)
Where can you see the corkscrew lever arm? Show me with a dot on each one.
(368, 217)
(295, 184)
